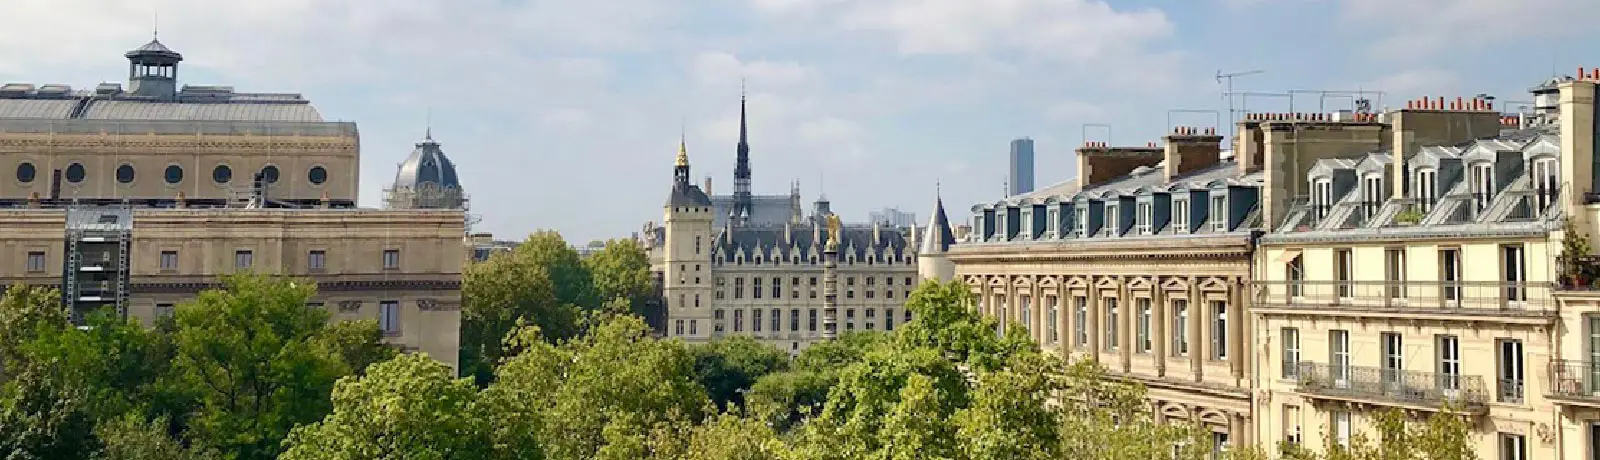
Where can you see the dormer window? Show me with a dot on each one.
(1427, 189)
(1112, 229)
(1219, 213)
(1026, 223)
(1482, 184)
(1052, 223)
(1001, 219)
(1546, 184)
(1083, 223)
(1143, 218)
(977, 227)
(1371, 194)
(1180, 215)
(1321, 197)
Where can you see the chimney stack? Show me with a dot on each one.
(1098, 162)
(708, 186)
(1189, 149)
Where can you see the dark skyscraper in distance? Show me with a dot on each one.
(1020, 179)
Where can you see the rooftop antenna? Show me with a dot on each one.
(155, 27)
(427, 122)
(1232, 115)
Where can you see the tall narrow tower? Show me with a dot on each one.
(933, 258)
(686, 282)
(830, 279)
(742, 206)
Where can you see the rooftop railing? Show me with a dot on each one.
(1406, 387)
(1468, 297)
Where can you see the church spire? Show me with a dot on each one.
(680, 167)
(742, 202)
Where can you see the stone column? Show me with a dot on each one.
(1236, 336)
(1126, 307)
(830, 291)
(1160, 317)
(1197, 339)
(1092, 313)
(1063, 307)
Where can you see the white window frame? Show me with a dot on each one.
(1142, 334)
(1339, 357)
(1219, 214)
(1081, 319)
(1321, 197)
(1180, 327)
(1052, 331)
(1291, 352)
(1180, 215)
(1482, 176)
(1143, 219)
(1110, 220)
(1219, 330)
(1546, 181)
(1449, 366)
(1372, 194)
(1514, 273)
(389, 317)
(1110, 307)
(1052, 223)
(1083, 222)
(1426, 190)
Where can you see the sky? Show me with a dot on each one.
(566, 115)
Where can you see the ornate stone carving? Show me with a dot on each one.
(346, 306)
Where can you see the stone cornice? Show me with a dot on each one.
(1229, 247)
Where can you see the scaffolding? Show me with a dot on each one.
(95, 275)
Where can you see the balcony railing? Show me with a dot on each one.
(1575, 380)
(1432, 296)
(1406, 387)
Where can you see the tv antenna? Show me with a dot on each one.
(1228, 85)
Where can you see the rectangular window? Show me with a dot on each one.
(1482, 185)
(1144, 218)
(777, 320)
(755, 288)
(1514, 273)
(755, 320)
(164, 310)
(1296, 274)
(738, 287)
(1509, 376)
(888, 319)
(1546, 183)
(777, 288)
(694, 326)
(1219, 213)
(1111, 221)
(1219, 330)
(794, 320)
(849, 319)
(1321, 197)
(738, 320)
(1052, 222)
(697, 244)
(389, 317)
(316, 260)
(719, 322)
(1339, 357)
(1026, 302)
(1180, 327)
(243, 258)
(1080, 321)
(1394, 272)
(1291, 353)
(169, 260)
(811, 323)
(1082, 224)
(1142, 338)
(1372, 195)
(1393, 349)
(391, 259)
(1344, 272)
(1427, 190)
(1291, 424)
(678, 327)
(1450, 276)
(1341, 427)
(1180, 215)
(1449, 348)
(35, 262)
(1111, 323)
(1051, 332)
(1513, 447)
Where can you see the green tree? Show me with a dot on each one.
(729, 367)
(496, 296)
(946, 321)
(252, 355)
(573, 284)
(26, 311)
(621, 270)
(784, 399)
(358, 344)
(410, 407)
(131, 437)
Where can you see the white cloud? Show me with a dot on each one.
(1415, 27)
(1417, 82)
(722, 68)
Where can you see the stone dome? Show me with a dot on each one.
(427, 166)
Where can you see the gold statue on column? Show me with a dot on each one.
(833, 232)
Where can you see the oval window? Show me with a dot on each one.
(222, 174)
(174, 174)
(318, 175)
(125, 174)
(75, 173)
(269, 174)
(26, 172)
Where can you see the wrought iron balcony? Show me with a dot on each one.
(1421, 389)
(1466, 297)
(1575, 380)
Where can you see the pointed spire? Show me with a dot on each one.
(683, 152)
(744, 131)
(938, 236)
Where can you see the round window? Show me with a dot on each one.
(318, 175)
(270, 174)
(125, 174)
(26, 172)
(222, 174)
(75, 173)
(174, 174)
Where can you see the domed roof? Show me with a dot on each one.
(427, 165)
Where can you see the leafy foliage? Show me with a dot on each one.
(729, 367)
(409, 407)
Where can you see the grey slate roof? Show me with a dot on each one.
(427, 165)
(36, 108)
(804, 239)
(143, 110)
(938, 236)
(687, 195)
(1226, 170)
(765, 210)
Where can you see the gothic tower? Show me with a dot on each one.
(742, 206)
(686, 281)
(933, 258)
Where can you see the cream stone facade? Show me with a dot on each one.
(1142, 264)
(1423, 274)
(135, 199)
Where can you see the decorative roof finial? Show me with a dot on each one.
(683, 151)
(427, 134)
